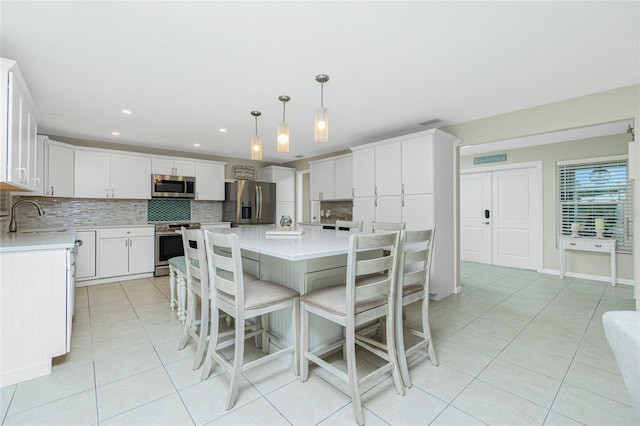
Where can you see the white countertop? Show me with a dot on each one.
(314, 243)
(26, 241)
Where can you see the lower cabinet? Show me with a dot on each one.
(34, 312)
(125, 251)
(86, 257)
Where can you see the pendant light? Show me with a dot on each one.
(321, 128)
(283, 128)
(256, 140)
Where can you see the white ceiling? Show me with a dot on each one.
(187, 69)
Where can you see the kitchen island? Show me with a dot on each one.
(37, 293)
(314, 260)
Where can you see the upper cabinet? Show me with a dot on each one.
(18, 153)
(59, 168)
(209, 180)
(100, 174)
(171, 166)
(331, 178)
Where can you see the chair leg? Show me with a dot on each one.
(296, 333)
(353, 376)
(393, 356)
(213, 342)
(265, 334)
(182, 296)
(204, 333)
(238, 358)
(304, 343)
(172, 287)
(187, 322)
(401, 351)
(426, 330)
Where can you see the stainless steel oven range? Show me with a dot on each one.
(169, 244)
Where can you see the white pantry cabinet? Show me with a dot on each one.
(413, 182)
(19, 128)
(111, 174)
(285, 180)
(209, 180)
(125, 251)
(172, 166)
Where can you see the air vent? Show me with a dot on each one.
(430, 123)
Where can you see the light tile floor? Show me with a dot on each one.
(515, 348)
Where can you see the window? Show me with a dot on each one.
(595, 188)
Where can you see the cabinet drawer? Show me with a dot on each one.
(587, 244)
(126, 232)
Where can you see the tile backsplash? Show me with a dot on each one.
(165, 210)
(338, 210)
(100, 212)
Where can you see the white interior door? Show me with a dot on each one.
(500, 214)
(475, 228)
(514, 223)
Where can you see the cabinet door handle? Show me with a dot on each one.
(112, 196)
(598, 245)
(130, 243)
(107, 192)
(375, 191)
(572, 244)
(402, 189)
(353, 192)
(126, 243)
(376, 202)
(51, 189)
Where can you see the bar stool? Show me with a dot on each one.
(197, 287)
(368, 295)
(243, 300)
(413, 273)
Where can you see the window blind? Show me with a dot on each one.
(596, 188)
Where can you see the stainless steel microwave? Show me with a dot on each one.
(169, 186)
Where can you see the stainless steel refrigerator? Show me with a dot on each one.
(248, 202)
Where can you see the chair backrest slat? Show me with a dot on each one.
(416, 262)
(387, 226)
(379, 270)
(218, 246)
(195, 260)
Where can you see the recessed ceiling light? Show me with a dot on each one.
(196, 144)
(115, 133)
(127, 111)
(223, 130)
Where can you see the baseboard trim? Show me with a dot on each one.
(604, 278)
(107, 280)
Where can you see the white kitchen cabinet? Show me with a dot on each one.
(364, 175)
(284, 178)
(388, 169)
(103, 174)
(322, 180)
(343, 177)
(18, 151)
(125, 251)
(417, 156)
(172, 166)
(332, 178)
(414, 176)
(34, 313)
(364, 209)
(86, 258)
(209, 180)
(59, 169)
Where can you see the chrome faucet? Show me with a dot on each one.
(13, 226)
